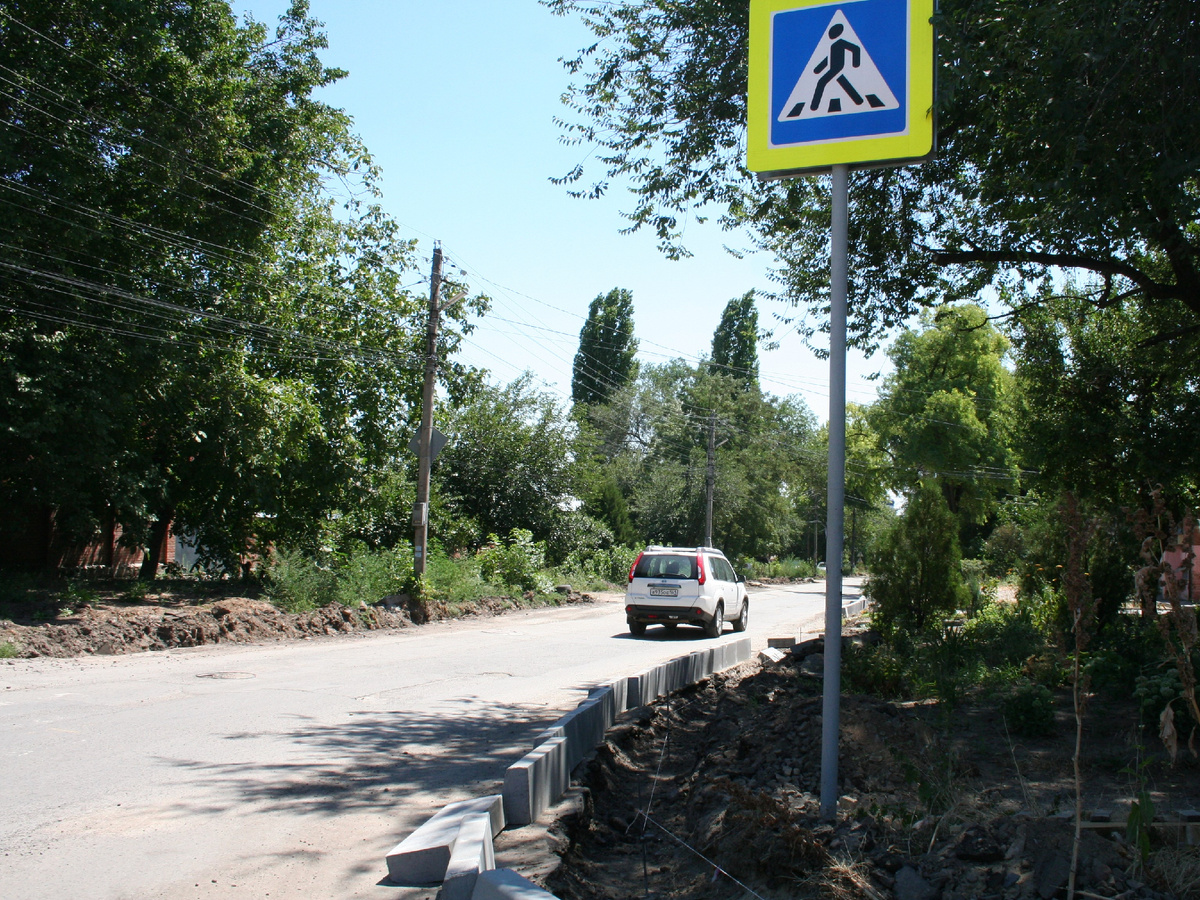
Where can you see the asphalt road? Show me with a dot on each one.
(289, 770)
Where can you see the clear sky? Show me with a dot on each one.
(456, 99)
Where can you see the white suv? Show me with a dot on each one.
(693, 585)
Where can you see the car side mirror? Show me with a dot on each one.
(741, 579)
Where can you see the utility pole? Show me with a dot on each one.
(425, 438)
(711, 479)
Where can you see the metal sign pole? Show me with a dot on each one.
(831, 705)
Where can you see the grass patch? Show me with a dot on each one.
(8, 650)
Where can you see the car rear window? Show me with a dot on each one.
(673, 565)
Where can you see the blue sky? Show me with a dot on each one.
(455, 99)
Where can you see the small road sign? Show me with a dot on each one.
(844, 82)
(437, 443)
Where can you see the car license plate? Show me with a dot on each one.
(664, 591)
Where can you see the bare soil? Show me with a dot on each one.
(715, 794)
(191, 613)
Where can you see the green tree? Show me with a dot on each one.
(735, 342)
(946, 411)
(915, 573)
(195, 332)
(1107, 413)
(606, 360)
(509, 462)
(763, 460)
(607, 504)
(1060, 145)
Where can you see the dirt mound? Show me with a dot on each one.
(116, 629)
(716, 791)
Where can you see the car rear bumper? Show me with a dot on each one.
(662, 615)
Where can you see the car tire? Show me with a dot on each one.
(637, 629)
(740, 623)
(714, 628)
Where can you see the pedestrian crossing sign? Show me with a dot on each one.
(848, 82)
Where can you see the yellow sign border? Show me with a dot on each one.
(916, 144)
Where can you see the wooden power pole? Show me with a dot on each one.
(425, 437)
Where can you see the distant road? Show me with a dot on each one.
(289, 770)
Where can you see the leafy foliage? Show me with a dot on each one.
(1058, 147)
(606, 359)
(735, 342)
(182, 288)
(517, 562)
(1029, 710)
(509, 463)
(915, 575)
(946, 411)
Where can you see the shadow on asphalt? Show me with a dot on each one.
(376, 758)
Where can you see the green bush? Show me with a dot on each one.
(8, 650)
(297, 583)
(600, 568)
(455, 579)
(517, 564)
(877, 670)
(1029, 710)
(576, 533)
(368, 576)
(981, 587)
(78, 594)
(781, 568)
(1004, 635)
(915, 574)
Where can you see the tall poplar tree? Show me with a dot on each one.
(605, 362)
(735, 342)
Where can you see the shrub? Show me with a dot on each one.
(1004, 636)
(368, 576)
(454, 579)
(981, 587)
(601, 568)
(137, 591)
(877, 670)
(577, 533)
(297, 583)
(781, 568)
(518, 563)
(8, 650)
(1003, 550)
(78, 594)
(915, 574)
(1029, 710)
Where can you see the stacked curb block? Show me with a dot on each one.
(543, 775)
(455, 846)
(425, 856)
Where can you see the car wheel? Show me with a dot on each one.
(637, 629)
(740, 623)
(714, 628)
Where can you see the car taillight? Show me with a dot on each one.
(700, 566)
(634, 566)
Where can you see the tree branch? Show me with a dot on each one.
(1153, 289)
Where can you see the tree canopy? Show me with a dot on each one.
(1067, 139)
(946, 412)
(606, 359)
(735, 342)
(204, 322)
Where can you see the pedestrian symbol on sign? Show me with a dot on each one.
(840, 78)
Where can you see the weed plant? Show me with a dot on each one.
(8, 650)
(781, 568)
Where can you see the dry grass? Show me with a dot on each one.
(1178, 871)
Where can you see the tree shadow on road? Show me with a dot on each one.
(376, 758)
